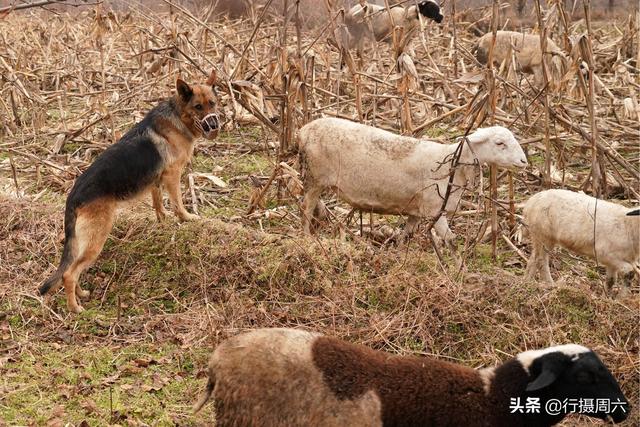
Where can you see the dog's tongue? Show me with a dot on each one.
(210, 122)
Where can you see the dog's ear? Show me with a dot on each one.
(184, 90)
(213, 78)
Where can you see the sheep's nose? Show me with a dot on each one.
(524, 161)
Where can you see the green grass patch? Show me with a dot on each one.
(101, 385)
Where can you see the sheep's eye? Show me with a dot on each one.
(211, 103)
(500, 143)
(198, 106)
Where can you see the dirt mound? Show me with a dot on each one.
(181, 288)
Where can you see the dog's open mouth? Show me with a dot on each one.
(210, 125)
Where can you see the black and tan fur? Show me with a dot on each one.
(151, 156)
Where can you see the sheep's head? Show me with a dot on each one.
(431, 10)
(573, 373)
(497, 146)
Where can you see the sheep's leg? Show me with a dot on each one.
(436, 239)
(321, 212)
(538, 78)
(361, 53)
(625, 282)
(444, 232)
(612, 276)
(534, 262)
(311, 198)
(546, 273)
(409, 228)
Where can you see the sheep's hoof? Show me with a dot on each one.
(621, 292)
(398, 239)
(458, 261)
(546, 285)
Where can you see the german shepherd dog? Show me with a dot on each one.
(150, 156)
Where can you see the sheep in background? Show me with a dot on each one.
(378, 171)
(582, 224)
(288, 377)
(383, 21)
(527, 52)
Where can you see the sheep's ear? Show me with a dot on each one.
(551, 368)
(477, 137)
(184, 90)
(546, 378)
(634, 212)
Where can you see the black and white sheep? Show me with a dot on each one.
(376, 22)
(288, 377)
(599, 229)
(378, 171)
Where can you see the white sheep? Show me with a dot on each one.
(378, 171)
(528, 54)
(584, 225)
(382, 22)
(288, 377)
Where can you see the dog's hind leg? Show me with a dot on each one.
(93, 225)
(156, 197)
(171, 181)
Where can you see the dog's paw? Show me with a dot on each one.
(161, 215)
(77, 309)
(188, 217)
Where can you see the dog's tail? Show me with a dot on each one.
(67, 253)
(206, 395)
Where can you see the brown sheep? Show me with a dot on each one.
(288, 377)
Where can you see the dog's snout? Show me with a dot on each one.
(210, 122)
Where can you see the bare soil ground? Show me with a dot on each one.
(164, 294)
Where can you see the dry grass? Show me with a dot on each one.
(163, 294)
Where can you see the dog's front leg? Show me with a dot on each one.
(156, 197)
(171, 182)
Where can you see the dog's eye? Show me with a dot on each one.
(198, 106)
